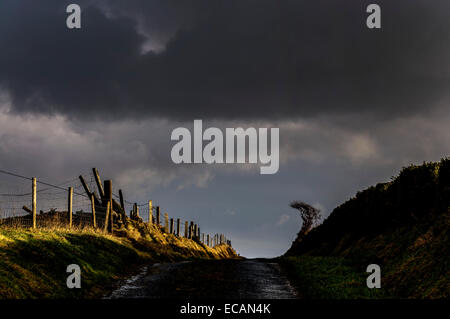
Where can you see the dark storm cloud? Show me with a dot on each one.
(224, 59)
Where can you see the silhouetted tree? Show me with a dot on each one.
(310, 216)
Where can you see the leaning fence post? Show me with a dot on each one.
(99, 183)
(178, 227)
(150, 212)
(33, 201)
(69, 208)
(94, 222)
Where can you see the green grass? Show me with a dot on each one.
(329, 278)
(33, 263)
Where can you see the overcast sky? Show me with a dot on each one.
(353, 105)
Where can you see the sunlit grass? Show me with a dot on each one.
(33, 262)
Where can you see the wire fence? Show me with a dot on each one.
(79, 202)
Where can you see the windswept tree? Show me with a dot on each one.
(309, 214)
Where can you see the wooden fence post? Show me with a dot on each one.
(178, 227)
(203, 238)
(94, 222)
(108, 208)
(158, 216)
(207, 240)
(166, 222)
(99, 183)
(195, 231)
(186, 231)
(108, 196)
(150, 212)
(33, 201)
(69, 206)
(191, 226)
(171, 226)
(122, 202)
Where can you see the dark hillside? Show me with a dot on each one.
(402, 225)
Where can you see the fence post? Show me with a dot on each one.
(94, 222)
(150, 212)
(69, 208)
(99, 183)
(108, 196)
(178, 227)
(158, 216)
(195, 231)
(171, 226)
(108, 208)
(186, 231)
(122, 202)
(191, 225)
(166, 222)
(203, 238)
(207, 240)
(133, 212)
(33, 201)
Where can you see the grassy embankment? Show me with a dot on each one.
(402, 225)
(33, 262)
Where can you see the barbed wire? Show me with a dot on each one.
(39, 182)
(50, 201)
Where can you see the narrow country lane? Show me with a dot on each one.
(231, 279)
